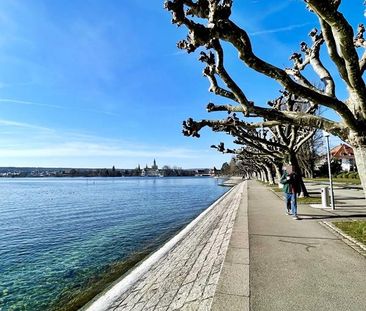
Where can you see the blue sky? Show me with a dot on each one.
(92, 83)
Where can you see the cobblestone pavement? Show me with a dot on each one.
(186, 277)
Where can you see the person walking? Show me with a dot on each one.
(291, 188)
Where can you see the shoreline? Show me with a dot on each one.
(109, 277)
(104, 299)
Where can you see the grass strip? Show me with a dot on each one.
(355, 229)
(309, 200)
(351, 181)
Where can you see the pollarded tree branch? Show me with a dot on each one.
(332, 50)
(296, 74)
(228, 31)
(360, 41)
(312, 57)
(281, 134)
(209, 72)
(275, 117)
(303, 119)
(268, 146)
(221, 71)
(304, 139)
(252, 152)
(343, 35)
(216, 66)
(223, 28)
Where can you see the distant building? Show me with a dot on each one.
(344, 153)
(205, 172)
(152, 171)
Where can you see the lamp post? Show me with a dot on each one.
(326, 135)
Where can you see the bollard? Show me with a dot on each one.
(325, 197)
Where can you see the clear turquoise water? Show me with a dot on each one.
(56, 233)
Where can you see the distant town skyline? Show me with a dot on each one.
(92, 84)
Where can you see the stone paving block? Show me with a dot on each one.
(166, 299)
(209, 291)
(196, 292)
(153, 301)
(191, 277)
(139, 307)
(172, 284)
(181, 296)
(214, 278)
(216, 268)
(205, 305)
(121, 308)
(146, 296)
(191, 306)
(132, 300)
(206, 270)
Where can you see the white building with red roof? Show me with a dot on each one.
(344, 153)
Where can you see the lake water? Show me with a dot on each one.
(61, 236)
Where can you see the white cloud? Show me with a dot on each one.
(281, 29)
(28, 144)
(31, 103)
(23, 125)
(78, 154)
(82, 149)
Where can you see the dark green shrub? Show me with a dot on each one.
(353, 175)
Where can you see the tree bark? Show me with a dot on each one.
(263, 176)
(269, 174)
(360, 157)
(278, 173)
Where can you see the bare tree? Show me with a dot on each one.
(208, 23)
(249, 161)
(309, 153)
(276, 144)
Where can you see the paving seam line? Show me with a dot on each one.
(354, 244)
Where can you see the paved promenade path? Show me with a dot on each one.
(186, 277)
(299, 264)
(275, 263)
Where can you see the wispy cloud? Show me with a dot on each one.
(274, 8)
(31, 103)
(87, 150)
(23, 125)
(281, 29)
(33, 145)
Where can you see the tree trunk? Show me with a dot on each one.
(264, 175)
(278, 172)
(269, 174)
(257, 175)
(295, 163)
(360, 157)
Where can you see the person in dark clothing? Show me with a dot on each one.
(291, 188)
